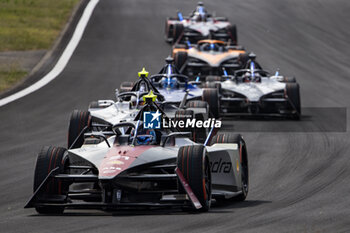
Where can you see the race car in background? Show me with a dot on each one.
(140, 167)
(199, 25)
(177, 102)
(252, 91)
(208, 57)
(176, 89)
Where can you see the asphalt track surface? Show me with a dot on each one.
(299, 181)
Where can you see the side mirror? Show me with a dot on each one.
(117, 94)
(98, 135)
(166, 138)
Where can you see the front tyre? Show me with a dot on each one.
(48, 159)
(193, 162)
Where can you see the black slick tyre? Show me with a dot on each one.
(211, 96)
(243, 59)
(168, 31)
(293, 96)
(215, 85)
(48, 159)
(289, 80)
(196, 104)
(94, 104)
(213, 78)
(180, 59)
(78, 121)
(126, 86)
(193, 162)
(177, 31)
(199, 134)
(232, 31)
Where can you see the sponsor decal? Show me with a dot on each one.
(151, 120)
(220, 166)
(118, 162)
(192, 123)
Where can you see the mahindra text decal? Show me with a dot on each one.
(220, 166)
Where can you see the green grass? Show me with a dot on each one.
(32, 24)
(10, 76)
(29, 25)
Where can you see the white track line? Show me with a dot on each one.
(62, 62)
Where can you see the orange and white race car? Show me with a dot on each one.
(208, 57)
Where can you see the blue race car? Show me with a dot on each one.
(175, 89)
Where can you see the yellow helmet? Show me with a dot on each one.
(150, 96)
(143, 72)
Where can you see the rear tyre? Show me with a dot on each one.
(243, 59)
(211, 96)
(126, 86)
(238, 139)
(293, 95)
(215, 85)
(78, 121)
(197, 104)
(193, 162)
(180, 59)
(212, 78)
(177, 31)
(97, 104)
(199, 134)
(289, 80)
(48, 159)
(168, 31)
(232, 31)
(94, 104)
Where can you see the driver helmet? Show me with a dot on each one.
(200, 14)
(213, 47)
(169, 82)
(247, 77)
(146, 137)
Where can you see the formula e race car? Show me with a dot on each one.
(103, 114)
(209, 57)
(141, 167)
(199, 25)
(252, 91)
(177, 91)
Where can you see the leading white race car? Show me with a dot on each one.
(199, 25)
(140, 167)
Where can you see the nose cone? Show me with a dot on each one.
(118, 159)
